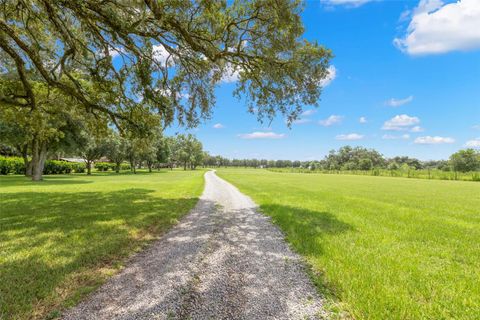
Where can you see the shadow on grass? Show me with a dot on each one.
(306, 231)
(17, 181)
(305, 225)
(47, 237)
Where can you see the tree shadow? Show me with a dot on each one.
(47, 237)
(16, 181)
(305, 228)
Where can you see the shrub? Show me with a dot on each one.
(125, 166)
(57, 167)
(79, 167)
(104, 166)
(11, 165)
(16, 165)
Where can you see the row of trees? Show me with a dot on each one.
(152, 151)
(358, 158)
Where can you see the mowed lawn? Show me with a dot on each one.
(381, 248)
(62, 237)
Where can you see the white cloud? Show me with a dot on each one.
(433, 140)
(115, 52)
(417, 129)
(395, 137)
(332, 74)
(262, 135)
(231, 74)
(350, 3)
(475, 143)
(218, 126)
(350, 137)
(476, 127)
(436, 27)
(301, 121)
(398, 102)
(400, 122)
(333, 119)
(362, 120)
(308, 113)
(162, 56)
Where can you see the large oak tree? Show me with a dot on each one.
(161, 58)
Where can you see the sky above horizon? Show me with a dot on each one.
(405, 80)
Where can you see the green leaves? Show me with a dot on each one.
(106, 55)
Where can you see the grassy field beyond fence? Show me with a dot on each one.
(62, 237)
(417, 174)
(380, 247)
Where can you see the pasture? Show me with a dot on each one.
(62, 237)
(379, 247)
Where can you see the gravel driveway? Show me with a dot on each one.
(222, 261)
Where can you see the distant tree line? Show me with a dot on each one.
(349, 158)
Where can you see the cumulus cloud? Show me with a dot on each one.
(436, 27)
(362, 120)
(433, 140)
(348, 3)
(262, 135)
(162, 56)
(330, 121)
(115, 52)
(398, 102)
(417, 129)
(396, 137)
(475, 143)
(350, 137)
(218, 126)
(332, 74)
(302, 121)
(401, 122)
(308, 113)
(231, 74)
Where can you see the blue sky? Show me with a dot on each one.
(409, 69)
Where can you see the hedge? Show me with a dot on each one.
(11, 165)
(104, 166)
(16, 165)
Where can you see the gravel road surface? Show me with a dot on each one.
(222, 261)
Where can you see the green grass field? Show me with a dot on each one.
(62, 237)
(379, 247)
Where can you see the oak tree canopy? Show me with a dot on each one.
(140, 64)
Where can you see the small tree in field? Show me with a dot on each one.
(465, 160)
(94, 149)
(116, 150)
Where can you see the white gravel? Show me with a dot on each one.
(222, 261)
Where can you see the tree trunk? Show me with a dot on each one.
(89, 167)
(185, 165)
(39, 155)
(133, 167)
(117, 167)
(28, 163)
(29, 169)
(149, 165)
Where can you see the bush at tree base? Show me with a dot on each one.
(16, 165)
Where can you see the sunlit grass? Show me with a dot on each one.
(384, 248)
(62, 237)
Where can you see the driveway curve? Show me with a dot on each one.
(224, 260)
